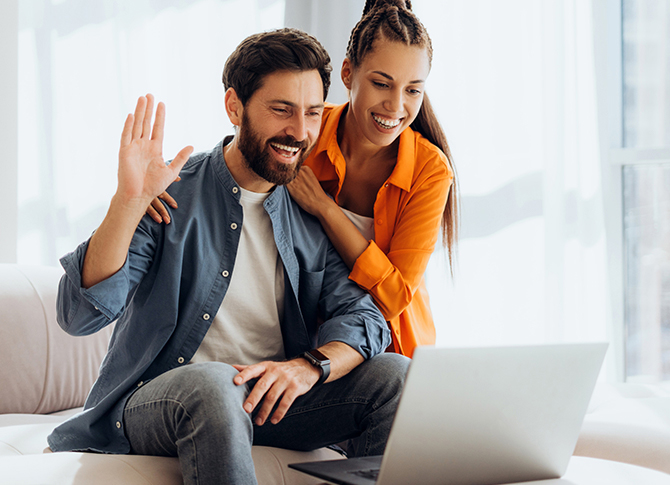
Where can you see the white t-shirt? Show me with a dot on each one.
(246, 328)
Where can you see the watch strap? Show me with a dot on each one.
(317, 359)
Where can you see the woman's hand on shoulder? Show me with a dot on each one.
(306, 190)
(157, 210)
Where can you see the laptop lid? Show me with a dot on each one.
(483, 416)
(490, 415)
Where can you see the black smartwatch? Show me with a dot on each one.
(317, 359)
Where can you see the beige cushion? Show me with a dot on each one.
(629, 423)
(42, 369)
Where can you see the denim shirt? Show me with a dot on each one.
(173, 281)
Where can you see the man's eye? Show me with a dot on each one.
(280, 110)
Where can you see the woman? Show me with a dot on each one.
(380, 178)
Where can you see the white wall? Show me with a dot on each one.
(9, 15)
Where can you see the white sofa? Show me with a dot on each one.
(45, 376)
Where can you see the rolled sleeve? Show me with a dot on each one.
(81, 311)
(371, 267)
(351, 315)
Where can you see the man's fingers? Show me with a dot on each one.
(270, 398)
(180, 160)
(127, 133)
(260, 388)
(139, 117)
(284, 405)
(148, 115)
(159, 124)
(248, 372)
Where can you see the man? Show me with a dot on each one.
(218, 344)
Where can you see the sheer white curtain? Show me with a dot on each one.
(514, 86)
(82, 66)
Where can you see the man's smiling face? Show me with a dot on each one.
(280, 124)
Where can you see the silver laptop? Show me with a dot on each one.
(479, 416)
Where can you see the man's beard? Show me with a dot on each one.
(258, 158)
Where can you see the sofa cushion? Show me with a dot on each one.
(56, 369)
(629, 423)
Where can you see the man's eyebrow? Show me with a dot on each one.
(293, 105)
(390, 78)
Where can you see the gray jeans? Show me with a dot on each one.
(195, 412)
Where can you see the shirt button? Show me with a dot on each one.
(180, 360)
(233, 226)
(235, 190)
(96, 308)
(386, 185)
(379, 222)
(205, 316)
(118, 424)
(225, 274)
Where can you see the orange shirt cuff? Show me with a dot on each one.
(371, 267)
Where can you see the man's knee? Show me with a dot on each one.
(208, 388)
(386, 371)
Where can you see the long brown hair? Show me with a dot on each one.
(395, 21)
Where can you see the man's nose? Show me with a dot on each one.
(298, 127)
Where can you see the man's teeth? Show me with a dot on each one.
(292, 150)
(386, 123)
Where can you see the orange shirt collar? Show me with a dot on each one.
(404, 169)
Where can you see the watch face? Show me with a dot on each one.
(319, 356)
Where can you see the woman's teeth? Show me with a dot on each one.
(388, 124)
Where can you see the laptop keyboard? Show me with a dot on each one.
(373, 473)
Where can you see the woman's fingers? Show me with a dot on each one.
(168, 198)
(153, 213)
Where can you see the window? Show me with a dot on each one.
(646, 187)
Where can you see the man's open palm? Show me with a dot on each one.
(143, 173)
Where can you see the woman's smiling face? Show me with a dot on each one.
(386, 90)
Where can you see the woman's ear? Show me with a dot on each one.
(234, 106)
(346, 73)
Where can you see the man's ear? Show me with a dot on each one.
(346, 72)
(234, 106)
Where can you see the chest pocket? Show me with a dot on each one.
(311, 283)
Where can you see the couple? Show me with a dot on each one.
(242, 321)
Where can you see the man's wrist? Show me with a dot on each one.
(320, 361)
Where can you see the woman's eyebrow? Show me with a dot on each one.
(390, 78)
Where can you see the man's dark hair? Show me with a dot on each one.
(279, 50)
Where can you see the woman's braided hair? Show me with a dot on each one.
(394, 20)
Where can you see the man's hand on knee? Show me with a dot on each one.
(277, 381)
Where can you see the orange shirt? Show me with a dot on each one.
(407, 214)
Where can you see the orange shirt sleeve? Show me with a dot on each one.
(410, 220)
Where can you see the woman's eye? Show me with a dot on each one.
(380, 85)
